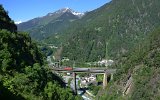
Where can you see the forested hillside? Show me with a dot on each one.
(131, 30)
(23, 73)
(142, 68)
(121, 24)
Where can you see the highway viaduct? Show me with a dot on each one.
(104, 71)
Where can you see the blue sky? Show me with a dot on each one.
(23, 10)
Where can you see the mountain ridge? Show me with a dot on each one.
(129, 27)
(119, 25)
(42, 27)
(80, 14)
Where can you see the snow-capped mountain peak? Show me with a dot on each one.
(77, 13)
(67, 9)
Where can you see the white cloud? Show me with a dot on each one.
(18, 22)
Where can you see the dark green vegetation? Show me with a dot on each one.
(23, 73)
(120, 23)
(130, 27)
(43, 27)
(94, 89)
(143, 65)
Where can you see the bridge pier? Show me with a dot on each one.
(74, 80)
(88, 70)
(105, 80)
(111, 76)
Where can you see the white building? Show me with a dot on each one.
(105, 62)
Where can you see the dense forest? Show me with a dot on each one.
(120, 23)
(23, 72)
(131, 30)
(127, 31)
(142, 64)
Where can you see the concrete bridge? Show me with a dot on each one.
(104, 71)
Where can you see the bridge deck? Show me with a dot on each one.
(86, 70)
